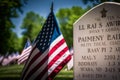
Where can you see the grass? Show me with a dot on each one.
(64, 75)
(13, 72)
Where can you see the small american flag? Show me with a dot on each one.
(49, 53)
(25, 53)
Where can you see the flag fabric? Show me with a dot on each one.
(27, 44)
(25, 53)
(70, 63)
(1, 58)
(49, 53)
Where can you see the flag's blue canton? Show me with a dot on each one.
(27, 44)
(49, 32)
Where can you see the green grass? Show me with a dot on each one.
(10, 72)
(64, 75)
(13, 72)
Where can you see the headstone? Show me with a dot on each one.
(97, 43)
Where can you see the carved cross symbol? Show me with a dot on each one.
(103, 12)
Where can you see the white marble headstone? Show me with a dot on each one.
(97, 43)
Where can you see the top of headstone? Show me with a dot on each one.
(103, 11)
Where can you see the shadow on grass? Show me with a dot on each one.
(63, 78)
(17, 78)
(9, 78)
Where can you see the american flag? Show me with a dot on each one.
(70, 63)
(49, 54)
(25, 53)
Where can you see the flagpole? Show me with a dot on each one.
(51, 7)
